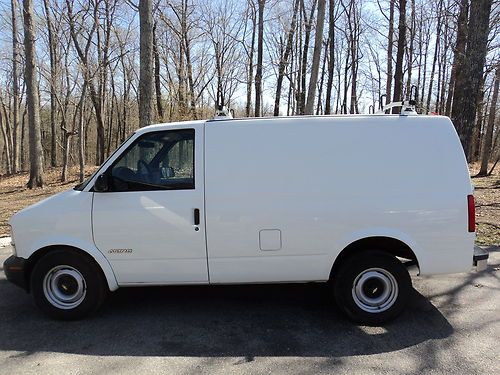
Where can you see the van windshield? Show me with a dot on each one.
(83, 184)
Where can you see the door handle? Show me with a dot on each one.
(196, 216)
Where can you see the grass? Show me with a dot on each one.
(15, 196)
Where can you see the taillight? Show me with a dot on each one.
(472, 213)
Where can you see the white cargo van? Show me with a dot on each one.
(350, 200)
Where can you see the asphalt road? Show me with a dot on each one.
(452, 326)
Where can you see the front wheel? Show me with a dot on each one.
(372, 287)
(67, 285)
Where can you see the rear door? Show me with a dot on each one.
(150, 224)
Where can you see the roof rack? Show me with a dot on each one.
(407, 106)
(222, 113)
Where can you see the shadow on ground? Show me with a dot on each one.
(243, 321)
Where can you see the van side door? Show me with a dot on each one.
(150, 223)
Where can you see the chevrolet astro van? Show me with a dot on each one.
(349, 200)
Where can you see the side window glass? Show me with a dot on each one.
(156, 161)
(178, 162)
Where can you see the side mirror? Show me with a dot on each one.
(101, 183)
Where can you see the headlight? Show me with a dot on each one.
(12, 243)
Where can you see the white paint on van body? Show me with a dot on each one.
(327, 182)
(321, 182)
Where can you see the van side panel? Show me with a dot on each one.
(323, 182)
(63, 219)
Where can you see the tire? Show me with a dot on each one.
(67, 285)
(372, 287)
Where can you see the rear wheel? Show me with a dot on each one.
(372, 287)
(67, 285)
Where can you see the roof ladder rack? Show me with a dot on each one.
(222, 113)
(407, 106)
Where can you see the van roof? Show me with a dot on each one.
(318, 116)
(296, 117)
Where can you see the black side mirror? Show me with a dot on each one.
(101, 183)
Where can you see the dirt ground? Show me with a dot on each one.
(487, 198)
(14, 196)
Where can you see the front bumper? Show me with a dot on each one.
(480, 258)
(15, 271)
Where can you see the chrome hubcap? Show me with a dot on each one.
(375, 290)
(64, 287)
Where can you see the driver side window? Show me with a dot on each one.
(156, 161)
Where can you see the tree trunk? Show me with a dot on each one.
(308, 27)
(390, 41)
(32, 99)
(95, 95)
(260, 52)
(189, 67)
(353, 41)
(81, 143)
(284, 59)
(467, 88)
(478, 125)
(424, 74)
(436, 52)
(398, 75)
(146, 63)
(322, 80)
(159, 104)
(343, 108)
(411, 48)
(15, 89)
(458, 53)
(53, 77)
(488, 137)
(67, 144)
(331, 61)
(22, 146)
(8, 159)
(250, 62)
(318, 42)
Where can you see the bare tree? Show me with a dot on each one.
(390, 42)
(308, 24)
(250, 52)
(285, 57)
(331, 51)
(32, 99)
(15, 89)
(436, 53)
(224, 34)
(260, 53)
(459, 52)
(97, 93)
(488, 137)
(156, 54)
(213, 53)
(398, 74)
(467, 88)
(146, 69)
(5, 133)
(411, 48)
(318, 40)
(53, 77)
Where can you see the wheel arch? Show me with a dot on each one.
(386, 244)
(98, 258)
